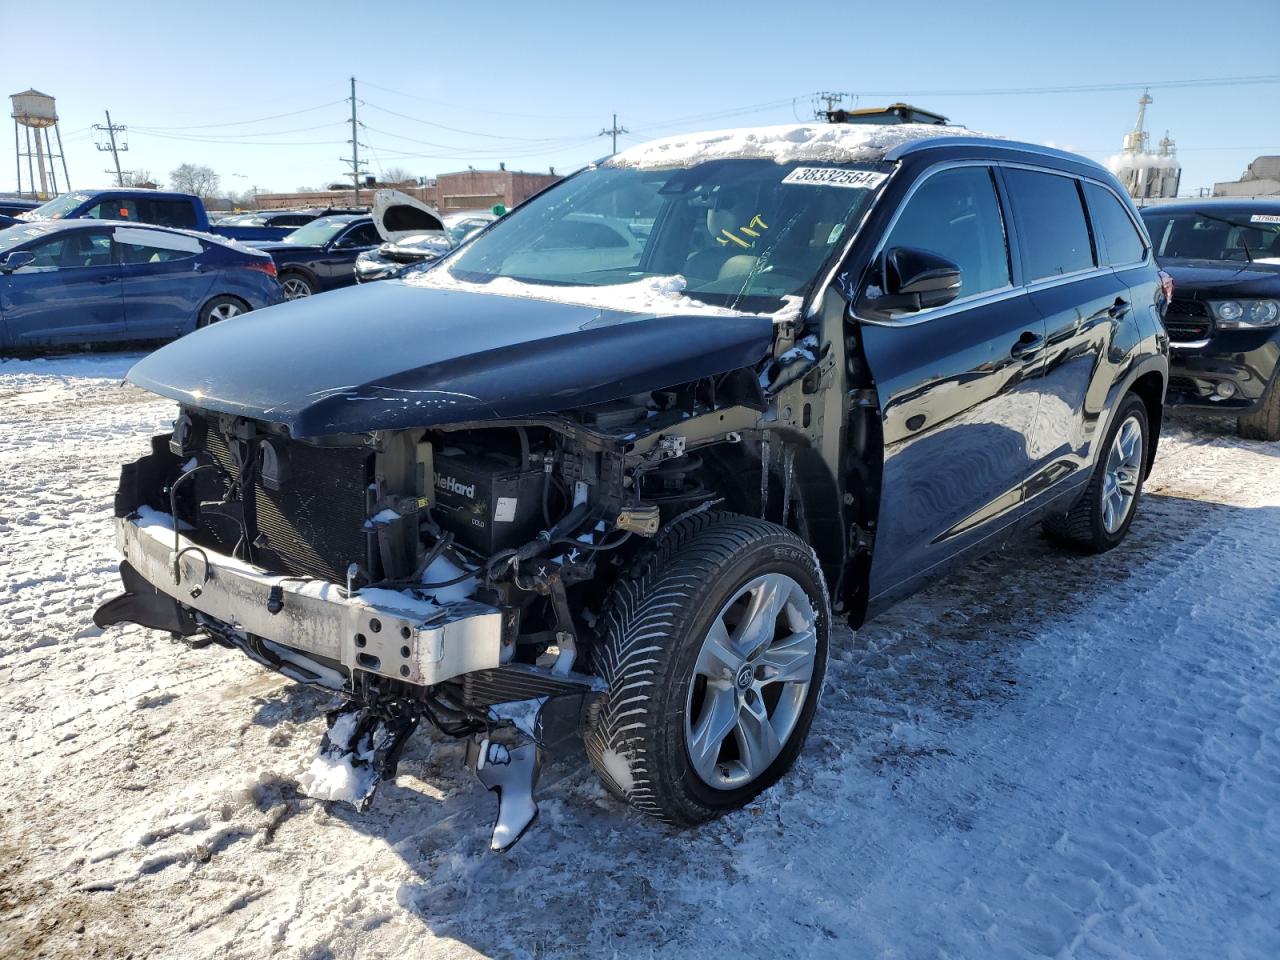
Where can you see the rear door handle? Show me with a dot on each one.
(1026, 344)
(106, 279)
(1118, 310)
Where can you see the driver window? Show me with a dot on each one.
(72, 249)
(955, 213)
(365, 235)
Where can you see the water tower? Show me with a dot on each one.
(34, 114)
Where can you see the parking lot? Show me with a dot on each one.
(1046, 755)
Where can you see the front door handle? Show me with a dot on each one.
(1118, 310)
(105, 280)
(1026, 344)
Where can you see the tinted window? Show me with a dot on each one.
(1052, 228)
(69, 250)
(1120, 237)
(955, 213)
(365, 235)
(169, 213)
(146, 253)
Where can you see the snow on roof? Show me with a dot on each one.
(786, 143)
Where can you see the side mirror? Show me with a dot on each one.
(912, 280)
(16, 260)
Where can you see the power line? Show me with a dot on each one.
(1077, 88)
(241, 123)
(470, 133)
(215, 137)
(245, 143)
(467, 109)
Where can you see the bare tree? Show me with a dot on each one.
(396, 175)
(138, 178)
(195, 178)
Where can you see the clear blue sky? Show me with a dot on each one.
(533, 84)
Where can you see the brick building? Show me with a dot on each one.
(450, 192)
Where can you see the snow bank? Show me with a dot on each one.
(660, 295)
(786, 143)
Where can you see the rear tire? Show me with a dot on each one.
(714, 648)
(1265, 423)
(1103, 515)
(221, 308)
(296, 285)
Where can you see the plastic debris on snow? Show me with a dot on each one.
(786, 143)
(333, 777)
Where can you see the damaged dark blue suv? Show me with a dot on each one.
(613, 466)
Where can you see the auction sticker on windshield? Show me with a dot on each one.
(1263, 218)
(835, 177)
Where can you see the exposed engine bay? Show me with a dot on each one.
(531, 519)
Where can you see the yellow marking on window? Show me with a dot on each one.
(738, 240)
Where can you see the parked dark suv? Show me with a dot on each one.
(571, 480)
(1224, 319)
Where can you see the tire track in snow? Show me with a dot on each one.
(1045, 755)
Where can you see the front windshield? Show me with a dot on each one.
(318, 232)
(464, 228)
(743, 233)
(1234, 234)
(57, 208)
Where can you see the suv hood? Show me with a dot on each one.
(398, 216)
(389, 356)
(1220, 278)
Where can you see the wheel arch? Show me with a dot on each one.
(815, 512)
(1149, 382)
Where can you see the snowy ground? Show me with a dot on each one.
(1046, 756)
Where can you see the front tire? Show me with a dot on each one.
(714, 650)
(1264, 424)
(296, 286)
(1103, 515)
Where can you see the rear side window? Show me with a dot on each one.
(1051, 224)
(169, 213)
(955, 213)
(1120, 238)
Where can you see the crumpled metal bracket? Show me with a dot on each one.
(507, 760)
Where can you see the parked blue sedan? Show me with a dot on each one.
(72, 282)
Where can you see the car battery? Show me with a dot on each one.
(486, 500)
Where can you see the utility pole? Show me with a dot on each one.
(833, 98)
(613, 131)
(115, 150)
(355, 145)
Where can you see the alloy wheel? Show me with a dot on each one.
(295, 288)
(1123, 474)
(224, 311)
(750, 681)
